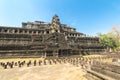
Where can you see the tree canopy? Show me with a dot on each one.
(110, 40)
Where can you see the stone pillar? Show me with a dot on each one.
(32, 32)
(45, 54)
(27, 31)
(8, 30)
(18, 31)
(13, 31)
(44, 32)
(36, 32)
(23, 31)
(55, 53)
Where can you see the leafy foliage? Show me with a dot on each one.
(110, 41)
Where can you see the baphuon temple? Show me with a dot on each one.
(36, 39)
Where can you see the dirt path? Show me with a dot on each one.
(44, 72)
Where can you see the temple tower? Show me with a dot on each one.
(55, 24)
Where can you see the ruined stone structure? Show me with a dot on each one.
(39, 38)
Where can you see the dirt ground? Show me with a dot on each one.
(44, 72)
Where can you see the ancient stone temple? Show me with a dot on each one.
(36, 39)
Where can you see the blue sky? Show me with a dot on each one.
(87, 16)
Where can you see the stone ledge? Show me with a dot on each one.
(101, 76)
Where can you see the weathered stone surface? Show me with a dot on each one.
(36, 39)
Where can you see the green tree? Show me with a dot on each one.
(115, 34)
(109, 41)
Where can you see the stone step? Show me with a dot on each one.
(99, 75)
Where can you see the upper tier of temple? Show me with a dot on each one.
(54, 24)
(40, 27)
